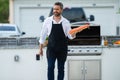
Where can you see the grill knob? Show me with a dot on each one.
(80, 50)
(95, 50)
(88, 50)
(72, 51)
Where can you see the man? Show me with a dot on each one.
(57, 29)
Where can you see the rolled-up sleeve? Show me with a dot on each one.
(43, 34)
(68, 29)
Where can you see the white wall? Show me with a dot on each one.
(111, 64)
(27, 68)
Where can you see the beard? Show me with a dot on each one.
(56, 14)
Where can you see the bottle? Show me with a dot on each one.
(105, 41)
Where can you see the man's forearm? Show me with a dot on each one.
(41, 46)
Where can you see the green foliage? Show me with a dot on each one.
(4, 11)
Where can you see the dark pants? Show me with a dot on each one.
(51, 66)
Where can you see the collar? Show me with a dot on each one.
(55, 21)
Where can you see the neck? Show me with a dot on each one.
(57, 18)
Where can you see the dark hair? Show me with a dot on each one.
(59, 4)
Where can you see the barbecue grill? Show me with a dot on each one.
(86, 42)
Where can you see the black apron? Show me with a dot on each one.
(57, 42)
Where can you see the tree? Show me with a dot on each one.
(4, 11)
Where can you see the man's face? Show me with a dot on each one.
(57, 11)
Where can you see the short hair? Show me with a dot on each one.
(59, 4)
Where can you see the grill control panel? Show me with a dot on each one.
(84, 50)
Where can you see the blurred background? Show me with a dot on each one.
(20, 27)
(4, 11)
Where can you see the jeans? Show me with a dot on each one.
(51, 66)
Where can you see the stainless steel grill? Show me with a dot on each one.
(87, 42)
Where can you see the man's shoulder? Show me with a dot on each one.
(48, 19)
